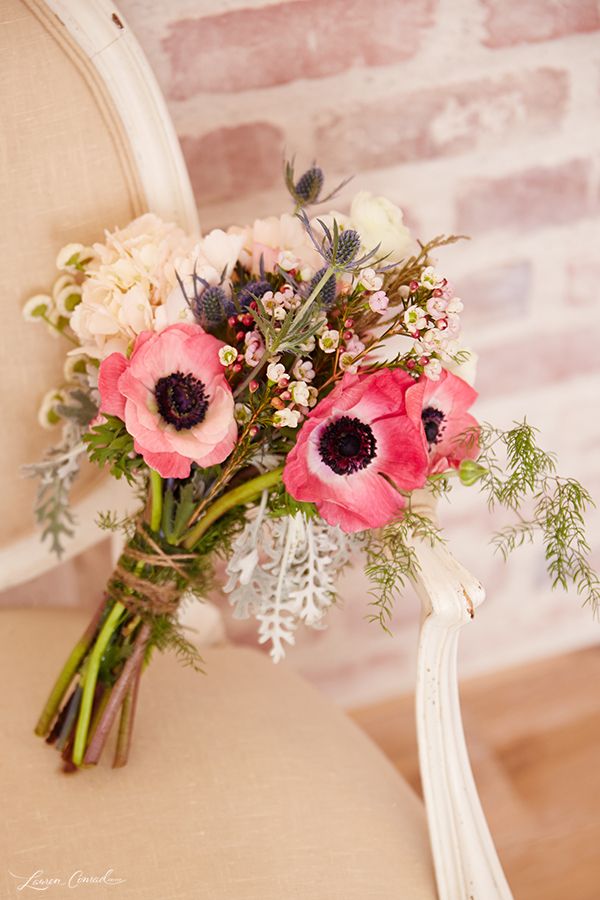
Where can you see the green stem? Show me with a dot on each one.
(316, 290)
(89, 683)
(58, 330)
(157, 500)
(236, 497)
(66, 675)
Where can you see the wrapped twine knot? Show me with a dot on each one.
(137, 589)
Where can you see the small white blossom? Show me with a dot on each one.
(431, 341)
(299, 392)
(313, 396)
(227, 355)
(355, 345)
(271, 301)
(71, 254)
(329, 340)
(242, 413)
(290, 299)
(379, 301)
(75, 367)
(303, 370)
(414, 318)
(275, 371)
(286, 418)
(347, 363)
(370, 280)
(61, 282)
(67, 299)
(309, 345)
(47, 415)
(433, 369)
(37, 307)
(455, 305)
(437, 307)
(429, 277)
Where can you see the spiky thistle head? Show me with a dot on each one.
(253, 290)
(307, 189)
(309, 186)
(339, 247)
(348, 246)
(210, 306)
(326, 295)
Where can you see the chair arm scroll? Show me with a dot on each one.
(466, 863)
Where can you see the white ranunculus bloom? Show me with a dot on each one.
(379, 221)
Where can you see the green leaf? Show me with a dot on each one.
(109, 443)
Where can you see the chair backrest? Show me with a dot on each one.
(86, 144)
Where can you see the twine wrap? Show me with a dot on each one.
(140, 594)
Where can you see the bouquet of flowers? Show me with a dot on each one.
(276, 394)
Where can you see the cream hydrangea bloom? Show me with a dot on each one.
(131, 283)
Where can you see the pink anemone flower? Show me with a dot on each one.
(449, 431)
(173, 397)
(357, 450)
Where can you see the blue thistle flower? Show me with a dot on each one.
(309, 186)
(307, 189)
(339, 247)
(253, 290)
(348, 246)
(327, 293)
(210, 306)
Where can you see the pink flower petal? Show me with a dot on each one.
(168, 465)
(112, 400)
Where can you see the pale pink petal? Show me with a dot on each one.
(156, 439)
(112, 400)
(373, 505)
(220, 451)
(168, 465)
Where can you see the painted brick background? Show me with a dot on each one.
(475, 116)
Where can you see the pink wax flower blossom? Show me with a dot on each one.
(173, 397)
(449, 431)
(358, 434)
(379, 301)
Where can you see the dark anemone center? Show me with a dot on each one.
(347, 445)
(434, 421)
(181, 400)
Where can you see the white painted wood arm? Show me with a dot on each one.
(466, 863)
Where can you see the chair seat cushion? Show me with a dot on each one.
(242, 784)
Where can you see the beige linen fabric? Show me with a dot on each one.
(243, 784)
(65, 174)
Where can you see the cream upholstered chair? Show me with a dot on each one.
(246, 784)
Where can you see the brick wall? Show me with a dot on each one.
(476, 116)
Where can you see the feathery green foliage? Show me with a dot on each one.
(392, 561)
(168, 634)
(519, 475)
